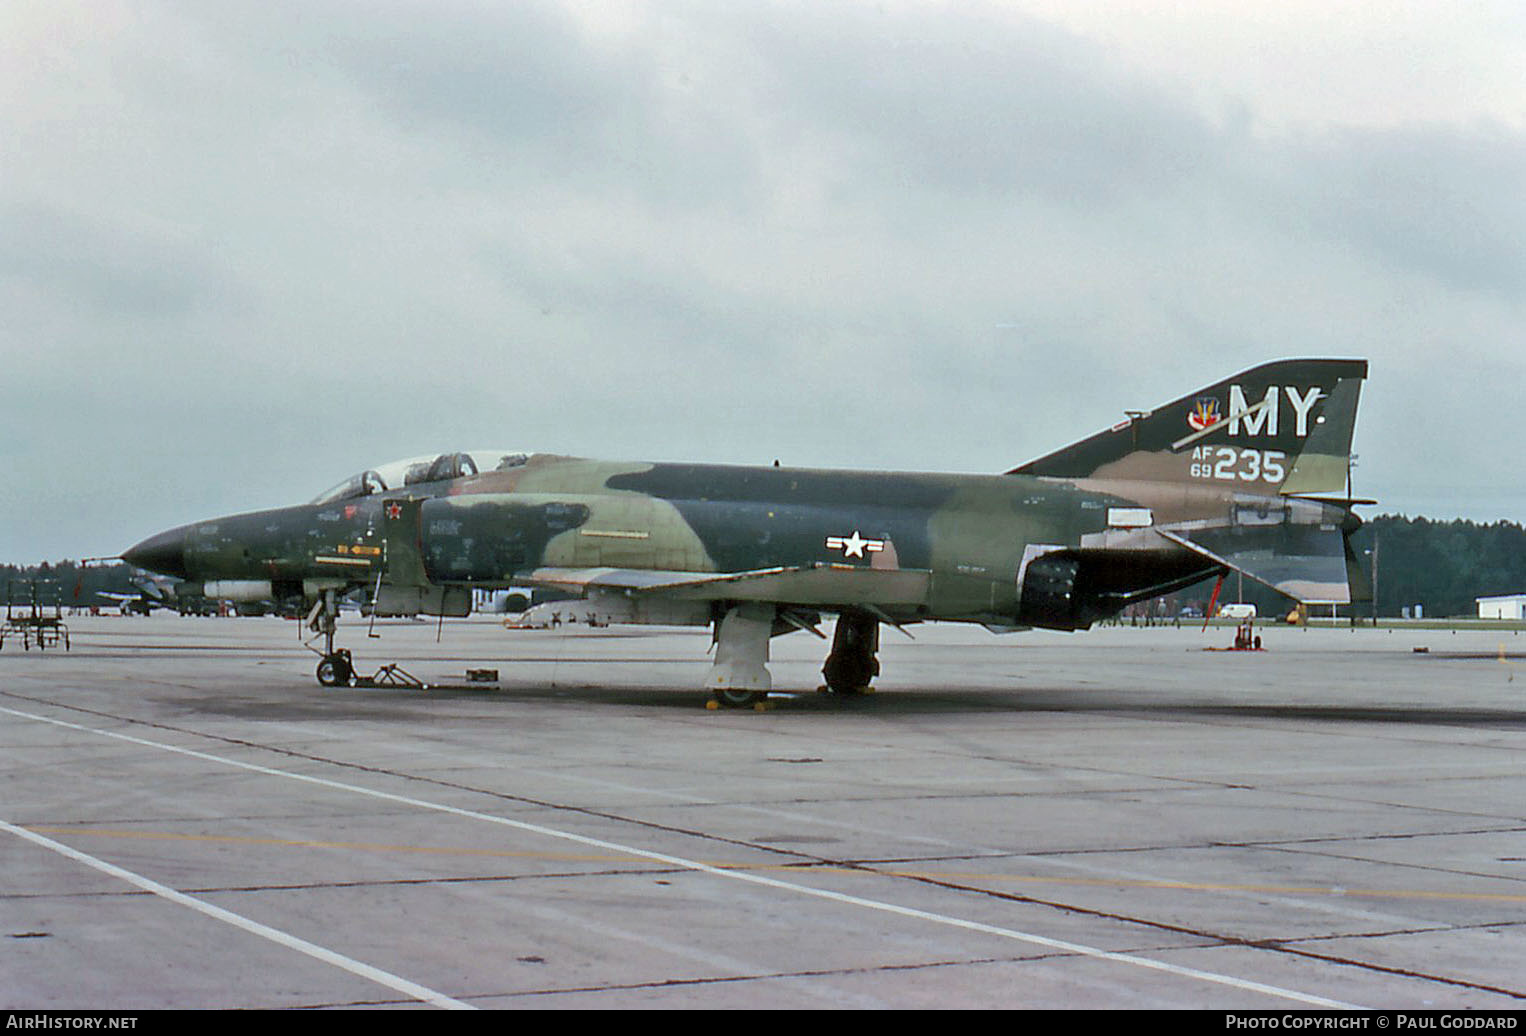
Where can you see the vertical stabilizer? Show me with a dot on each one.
(1284, 427)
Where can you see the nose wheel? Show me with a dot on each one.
(335, 669)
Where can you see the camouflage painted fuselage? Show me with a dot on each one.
(934, 546)
(1249, 474)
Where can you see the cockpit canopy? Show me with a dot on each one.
(419, 470)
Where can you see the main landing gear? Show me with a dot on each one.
(852, 665)
(739, 677)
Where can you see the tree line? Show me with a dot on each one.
(1440, 565)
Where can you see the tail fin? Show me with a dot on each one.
(1284, 427)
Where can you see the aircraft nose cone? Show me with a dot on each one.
(164, 553)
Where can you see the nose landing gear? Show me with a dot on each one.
(335, 666)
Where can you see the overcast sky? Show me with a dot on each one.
(247, 249)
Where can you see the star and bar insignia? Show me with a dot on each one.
(855, 545)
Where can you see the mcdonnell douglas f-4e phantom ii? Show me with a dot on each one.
(1250, 474)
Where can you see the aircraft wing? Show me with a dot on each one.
(820, 585)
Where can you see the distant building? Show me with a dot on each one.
(1510, 606)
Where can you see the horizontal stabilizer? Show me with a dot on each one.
(814, 585)
(1307, 563)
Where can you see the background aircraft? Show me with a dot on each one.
(157, 591)
(1250, 474)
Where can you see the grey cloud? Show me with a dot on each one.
(524, 90)
(988, 102)
(1445, 202)
(117, 270)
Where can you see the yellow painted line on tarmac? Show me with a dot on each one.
(927, 875)
(1192, 886)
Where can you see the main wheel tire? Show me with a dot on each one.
(737, 698)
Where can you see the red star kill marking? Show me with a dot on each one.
(394, 510)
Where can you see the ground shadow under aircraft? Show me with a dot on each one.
(496, 703)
